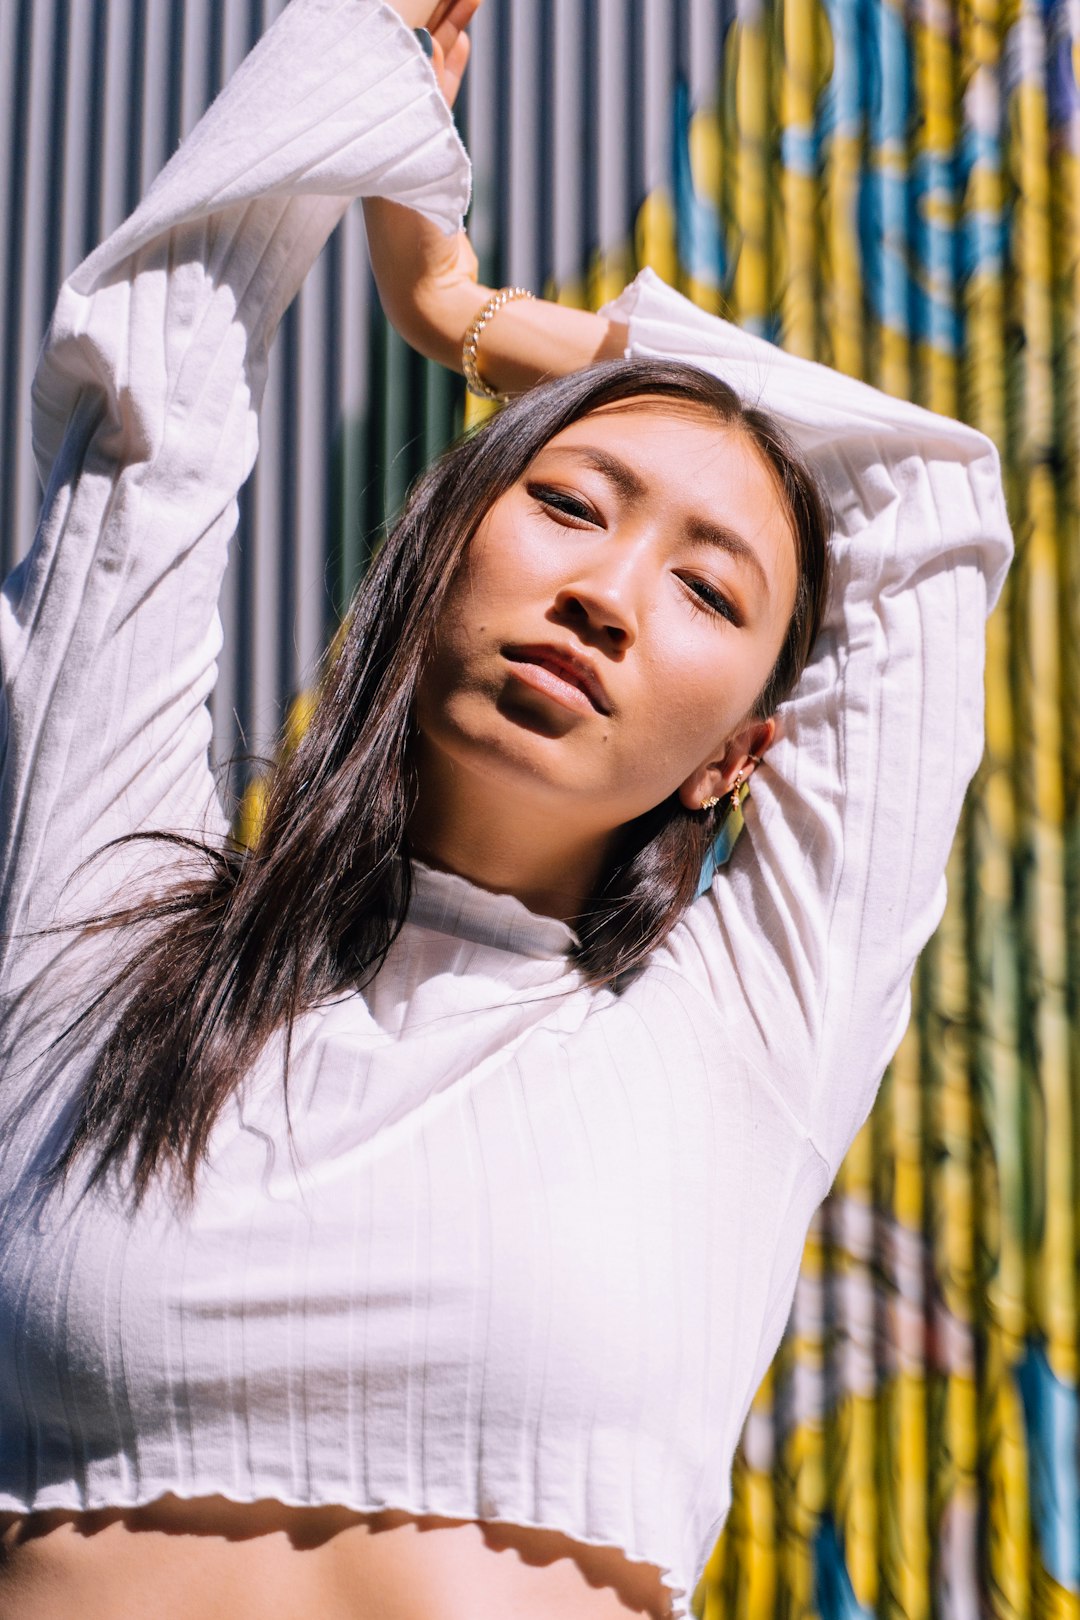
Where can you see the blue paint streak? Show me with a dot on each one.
(834, 1595)
(1062, 90)
(887, 71)
(699, 237)
(1052, 1413)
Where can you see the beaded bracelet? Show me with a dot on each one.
(475, 383)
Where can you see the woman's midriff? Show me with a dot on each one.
(212, 1559)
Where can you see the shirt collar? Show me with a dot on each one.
(453, 905)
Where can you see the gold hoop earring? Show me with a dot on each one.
(710, 804)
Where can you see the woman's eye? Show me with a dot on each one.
(708, 599)
(557, 500)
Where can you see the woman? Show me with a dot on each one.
(368, 1268)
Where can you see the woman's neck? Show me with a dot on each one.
(502, 839)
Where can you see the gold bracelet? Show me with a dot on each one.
(475, 383)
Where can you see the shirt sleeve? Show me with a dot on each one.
(145, 410)
(806, 942)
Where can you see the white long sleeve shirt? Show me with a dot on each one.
(533, 1246)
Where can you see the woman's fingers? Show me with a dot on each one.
(450, 65)
(435, 15)
(451, 43)
(452, 14)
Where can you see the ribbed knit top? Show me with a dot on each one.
(532, 1247)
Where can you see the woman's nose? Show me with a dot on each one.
(605, 600)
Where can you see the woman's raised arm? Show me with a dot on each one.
(805, 944)
(145, 426)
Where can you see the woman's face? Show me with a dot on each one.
(616, 615)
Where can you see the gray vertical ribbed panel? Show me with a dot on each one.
(567, 133)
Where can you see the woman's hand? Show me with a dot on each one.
(450, 43)
(446, 22)
(427, 281)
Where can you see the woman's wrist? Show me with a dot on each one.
(470, 348)
(524, 341)
(429, 291)
(527, 340)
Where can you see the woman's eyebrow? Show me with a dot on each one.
(618, 472)
(706, 532)
(703, 531)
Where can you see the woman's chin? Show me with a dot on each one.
(528, 749)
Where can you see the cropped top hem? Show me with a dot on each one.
(677, 1593)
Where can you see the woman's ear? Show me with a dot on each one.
(716, 777)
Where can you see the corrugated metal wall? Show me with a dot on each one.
(893, 188)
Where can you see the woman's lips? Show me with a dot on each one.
(568, 679)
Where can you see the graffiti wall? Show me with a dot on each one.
(890, 187)
(894, 189)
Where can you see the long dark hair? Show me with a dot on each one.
(249, 938)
